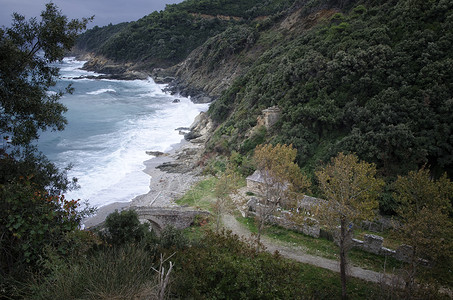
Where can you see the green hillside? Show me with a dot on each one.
(370, 77)
(162, 39)
(375, 80)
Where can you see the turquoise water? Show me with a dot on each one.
(111, 124)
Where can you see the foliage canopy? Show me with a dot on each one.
(162, 39)
(374, 80)
(26, 50)
(425, 213)
(351, 189)
(34, 214)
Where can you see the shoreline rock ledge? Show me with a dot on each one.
(200, 129)
(156, 153)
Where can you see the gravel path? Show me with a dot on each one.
(296, 253)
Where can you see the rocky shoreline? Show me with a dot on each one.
(135, 71)
(172, 173)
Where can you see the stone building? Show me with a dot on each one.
(255, 183)
(269, 116)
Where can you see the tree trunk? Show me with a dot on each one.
(217, 227)
(258, 236)
(343, 258)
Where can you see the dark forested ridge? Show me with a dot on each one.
(370, 77)
(164, 38)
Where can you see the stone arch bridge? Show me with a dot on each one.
(161, 217)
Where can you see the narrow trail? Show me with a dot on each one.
(299, 255)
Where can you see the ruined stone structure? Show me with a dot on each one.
(283, 218)
(374, 244)
(270, 116)
(307, 206)
(161, 217)
(255, 183)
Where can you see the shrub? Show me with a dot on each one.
(124, 227)
(223, 266)
(173, 238)
(256, 139)
(111, 273)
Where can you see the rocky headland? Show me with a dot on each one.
(179, 78)
(108, 69)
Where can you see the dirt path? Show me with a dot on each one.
(297, 253)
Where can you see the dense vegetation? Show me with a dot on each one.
(93, 39)
(162, 39)
(208, 266)
(375, 80)
(34, 214)
(245, 9)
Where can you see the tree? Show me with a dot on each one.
(351, 189)
(226, 185)
(26, 50)
(33, 210)
(281, 180)
(425, 209)
(124, 227)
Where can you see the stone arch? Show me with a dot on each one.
(155, 224)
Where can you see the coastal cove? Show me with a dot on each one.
(112, 124)
(165, 185)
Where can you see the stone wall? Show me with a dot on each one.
(371, 243)
(374, 244)
(254, 186)
(282, 218)
(308, 227)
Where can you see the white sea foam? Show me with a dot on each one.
(51, 93)
(111, 125)
(71, 68)
(101, 91)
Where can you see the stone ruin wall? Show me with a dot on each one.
(371, 243)
(374, 244)
(282, 218)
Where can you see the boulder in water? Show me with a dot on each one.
(156, 153)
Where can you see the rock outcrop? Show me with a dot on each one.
(200, 129)
(109, 69)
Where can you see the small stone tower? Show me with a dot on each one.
(270, 116)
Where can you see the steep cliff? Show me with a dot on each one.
(370, 79)
(214, 66)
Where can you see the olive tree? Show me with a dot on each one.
(424, 210)
(280, 181)
(351, 189)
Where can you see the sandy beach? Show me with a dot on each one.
(172, 174)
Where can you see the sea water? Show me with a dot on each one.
(111, 125)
